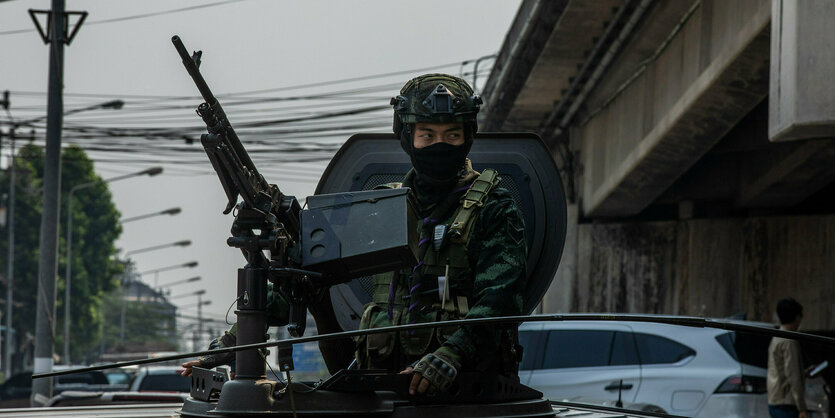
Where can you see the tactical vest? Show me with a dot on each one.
(439, 288)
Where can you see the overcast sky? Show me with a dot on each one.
(247, 45)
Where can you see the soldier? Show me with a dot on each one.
(472, 254)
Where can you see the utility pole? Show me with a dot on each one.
(7, 359)
(9, 341)
(199, 322)
(45, 319)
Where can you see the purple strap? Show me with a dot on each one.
(412, 306)
(417, 266)
(423, 241)
(427, 221)
(461, 189)
(391, 300)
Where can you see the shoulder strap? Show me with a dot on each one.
(473, 199)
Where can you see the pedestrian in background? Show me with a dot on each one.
(786, 388)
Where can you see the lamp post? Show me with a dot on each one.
(194, 305)
(156, 272)
(200, 304)
(190, 264)
(153, 171)
(199, 334)
(172, 211)
(7, 360)
(195, 293)
(113, 104)
(181, 243)
(189, 280)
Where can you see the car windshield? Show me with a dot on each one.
(165, 383)
(85, 378)
(118, 378)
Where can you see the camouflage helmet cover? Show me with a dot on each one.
(435, 98)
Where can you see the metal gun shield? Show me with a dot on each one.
(527, 171)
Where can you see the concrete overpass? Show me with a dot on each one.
(695, 140)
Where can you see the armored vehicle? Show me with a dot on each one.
(347, 232)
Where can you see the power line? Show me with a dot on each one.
(133, 17)
(268, 90)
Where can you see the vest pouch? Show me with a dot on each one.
(443, 333)
(377, 347)
(417, 342)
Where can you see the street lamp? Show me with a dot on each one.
(156, 272)
(113, 104)
(172, 211)
(189, 280)
(199, 334)
(193, 305)
(200, 304)
(153, 171)
(195, 293)
(181, 243)
(190, 264)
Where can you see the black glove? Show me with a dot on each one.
(211, 361)
(439, 369)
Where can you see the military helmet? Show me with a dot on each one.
(436, 98)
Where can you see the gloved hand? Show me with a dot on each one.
(435, 371)
(228, 339)
(211, 361)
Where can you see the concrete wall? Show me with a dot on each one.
(801, 103)
(702, 267)
(711, 73)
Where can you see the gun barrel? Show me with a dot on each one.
(228, 156)
(193, 71)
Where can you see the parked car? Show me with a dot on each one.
(73, 398)
(160, 379)
(16, 391)
(120, 376)
(675, 369)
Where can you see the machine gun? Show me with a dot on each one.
(263, 208)
(348, 235)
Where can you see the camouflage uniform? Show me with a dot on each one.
(486, 278)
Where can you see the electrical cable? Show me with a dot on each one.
(133, 17)
(226, 318)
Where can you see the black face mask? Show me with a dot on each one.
(439, 163)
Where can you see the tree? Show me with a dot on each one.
(95, 229)
(27, 220)
(148, 326)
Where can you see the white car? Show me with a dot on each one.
(663, 368)
(160, 379)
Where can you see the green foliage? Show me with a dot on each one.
(148, 326)
(27, 221)
(95, 228)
